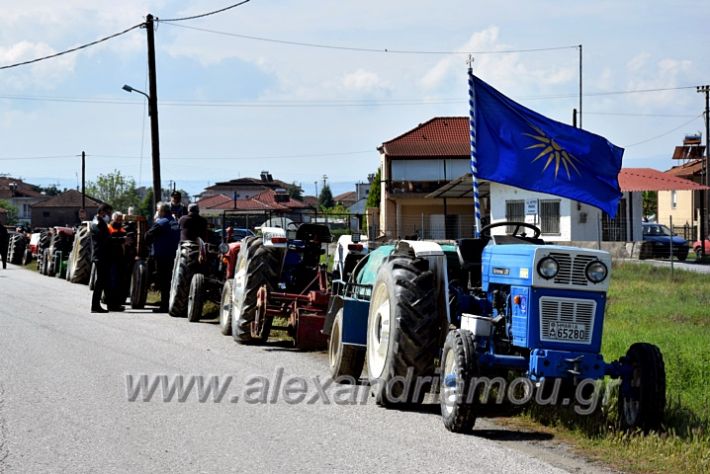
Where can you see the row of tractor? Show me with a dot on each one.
(440, 317)
(409, 318)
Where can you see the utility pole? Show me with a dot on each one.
(83, 181)
(580, 86)
(153, 109)
(705, 168)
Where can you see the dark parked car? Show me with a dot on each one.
(658, 243)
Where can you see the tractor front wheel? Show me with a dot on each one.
(225, 308)
(196, 301)
(642, 396)
(345, 361)
(459, 367)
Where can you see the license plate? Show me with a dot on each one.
(566, 331)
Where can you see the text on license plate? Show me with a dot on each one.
(566, 331)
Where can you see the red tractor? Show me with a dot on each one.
(278, 277)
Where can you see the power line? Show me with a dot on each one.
(369, 50)
(328, 102)
(195, 157)
(202, 15)
(665, 133)
(83, 46)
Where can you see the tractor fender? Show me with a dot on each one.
(269, 233)
(432, 252)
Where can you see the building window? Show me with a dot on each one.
(514, 212)
(550, 216)
(674, 200)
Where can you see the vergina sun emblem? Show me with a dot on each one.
(553, 152)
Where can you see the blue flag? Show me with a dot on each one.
(521, 148)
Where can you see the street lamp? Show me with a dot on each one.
(153, 114)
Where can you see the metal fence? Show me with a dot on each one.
(338, 223)
(687, 231)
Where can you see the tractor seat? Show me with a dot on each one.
(470, 252)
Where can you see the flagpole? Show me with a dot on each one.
(474, 153)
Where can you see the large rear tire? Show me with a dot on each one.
(225, 308)
(459, 368)
(644, 402)
(256, 266)
(16, 248)
(345, 361)
(139, 284)
(81, 256)
(402, 332)
(185, 259)
(196, 298)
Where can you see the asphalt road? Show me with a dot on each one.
(64, 404)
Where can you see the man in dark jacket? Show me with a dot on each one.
(193, 225)
(4, 241)
(177, 208)
(164, 238)
(100, 256)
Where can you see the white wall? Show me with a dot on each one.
(500, 193)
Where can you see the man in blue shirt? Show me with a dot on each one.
(164, 238)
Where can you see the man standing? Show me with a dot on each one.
(4, 241)
(100, 256)
(164, 238)
(176, 207)
(193, 225)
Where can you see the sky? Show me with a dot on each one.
(310, 88)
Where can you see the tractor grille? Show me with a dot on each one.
(571, 269)
(566, 320)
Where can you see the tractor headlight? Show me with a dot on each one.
(596, 271)
(548, 267)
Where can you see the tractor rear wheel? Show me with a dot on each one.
(402, 331)
(225, 308)
(187, 255)
(81, 256)
(195, 301)
(139, 284)
(16, 248)
(256, 266)
(345, 361)
(459, 368)
(642, 403)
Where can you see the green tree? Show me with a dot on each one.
(115, 189)
(11, 211)
(373, 197)
(295, 191)
(650, 203)
(52, 190)
(146, 206)
(325, 199)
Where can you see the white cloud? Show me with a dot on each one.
(663, 73)
(364, 81)
(42, 74)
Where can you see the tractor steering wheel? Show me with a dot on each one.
(486, 231)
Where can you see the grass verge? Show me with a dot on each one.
(646, 305)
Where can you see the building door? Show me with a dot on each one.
(615, 230)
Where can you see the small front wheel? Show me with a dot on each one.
(345, 361)
(225, 308)
(642, 397)
(195, 300)
(459, 368)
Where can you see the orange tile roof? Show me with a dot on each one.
(648, 179)
(440, 136)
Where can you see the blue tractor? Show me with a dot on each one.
(480, 309)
